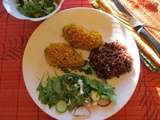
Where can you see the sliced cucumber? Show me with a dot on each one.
(61, 106)
(95, 96)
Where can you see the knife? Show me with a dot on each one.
(139, 28)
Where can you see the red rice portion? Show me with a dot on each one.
(110, 60)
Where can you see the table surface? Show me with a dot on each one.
(16, 104)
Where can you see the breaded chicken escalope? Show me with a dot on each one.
(62, 55)
(79, 37)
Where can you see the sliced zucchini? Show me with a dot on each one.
(61, 106)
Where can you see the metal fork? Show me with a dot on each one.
(122, 17)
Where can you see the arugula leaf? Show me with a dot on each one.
(94, 84)
(49, 85)
(57, 86)
(87, 68)
(113, 98)
(102, 88)
(53, 100)
(75, 102)
(40, 87)
(43, 97)
(70, 78)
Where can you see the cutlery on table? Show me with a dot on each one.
(129, 23)
(140, 28)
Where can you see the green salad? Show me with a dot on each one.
(36, 8)
(70, 91)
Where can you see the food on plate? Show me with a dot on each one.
(110, 60)
(86, 68)
(103, 102)
(80, 37)
(63, 56)
(71, 91)
(61, 106)
(82, 112)
(36, 8)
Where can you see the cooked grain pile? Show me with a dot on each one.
(110, 60)
(79, 37)
(62, 55)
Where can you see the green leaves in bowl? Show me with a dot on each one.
(36, 8)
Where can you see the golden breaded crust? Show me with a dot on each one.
(79, 37)
(62, 55)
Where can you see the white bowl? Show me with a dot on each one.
(10, 6)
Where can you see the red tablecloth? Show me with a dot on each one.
(16, 104)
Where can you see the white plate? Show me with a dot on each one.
(35, 65)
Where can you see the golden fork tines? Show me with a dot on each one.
(117, 14)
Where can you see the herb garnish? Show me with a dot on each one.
(87, 68)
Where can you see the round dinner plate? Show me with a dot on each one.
(35, 65)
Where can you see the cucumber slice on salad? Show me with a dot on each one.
(61, 106)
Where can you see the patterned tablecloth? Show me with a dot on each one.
(16, 104)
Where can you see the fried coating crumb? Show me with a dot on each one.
(62, 55)
(79, 37)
